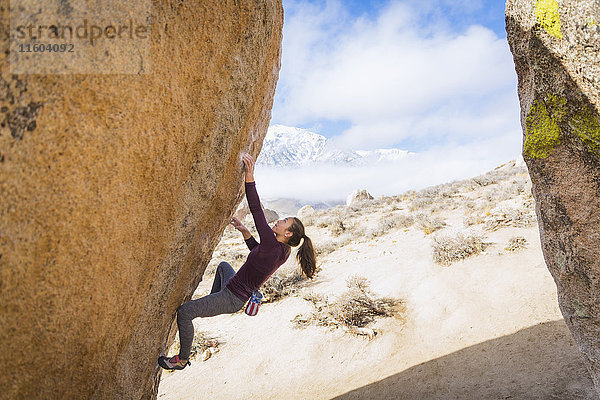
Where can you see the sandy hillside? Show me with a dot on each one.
(484, 327)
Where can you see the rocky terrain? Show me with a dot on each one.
(475, 315)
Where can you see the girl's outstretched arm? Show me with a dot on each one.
(267, 237)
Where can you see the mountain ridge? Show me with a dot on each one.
(285, 146)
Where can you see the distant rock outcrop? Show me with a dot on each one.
(306, 211)
(244, 215)
(114, 191)
(556, 49)
(358, 197)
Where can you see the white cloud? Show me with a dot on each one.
(407, 76)
(392, 79)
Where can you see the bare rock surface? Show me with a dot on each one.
(243, 213)
(358, 197)
(556, 49)
(114, 191)
(306, 211)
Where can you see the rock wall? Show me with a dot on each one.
(556, 49)
(114, 190)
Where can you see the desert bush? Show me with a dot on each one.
(203, 345)
(355, 308)
(404, 220)
(450, 248)
(325, 247)
(420, 203)
(389, 201)
(516, 243)
(389, 222)
(468, 204)
(338, 226)
(445, 204)
(336, 219)
(472, 219)
(282, 284)
(484, 180)
(503, 216)
(429, 224)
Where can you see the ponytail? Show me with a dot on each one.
(306, 258)
(306, 252)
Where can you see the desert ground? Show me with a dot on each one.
(476, 315)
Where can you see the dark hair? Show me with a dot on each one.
(306, 252)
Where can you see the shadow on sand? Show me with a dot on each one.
(540, 362)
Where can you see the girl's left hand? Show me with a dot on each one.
(248, 167)
(237, 224)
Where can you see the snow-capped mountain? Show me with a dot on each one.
(289, 146)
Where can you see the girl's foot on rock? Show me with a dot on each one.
(173, 363)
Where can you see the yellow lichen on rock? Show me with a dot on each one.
(546, 12)
(542, 132)
(587, 127)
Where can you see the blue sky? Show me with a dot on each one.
(434, 77)
(456, 13)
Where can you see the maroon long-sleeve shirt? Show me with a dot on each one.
(264, 258)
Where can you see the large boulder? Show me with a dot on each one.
(556, 49)
(243, 213)
(114, 191)
(358, 197)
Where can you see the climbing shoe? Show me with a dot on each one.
(172, 363)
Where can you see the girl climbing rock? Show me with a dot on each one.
(231, 290)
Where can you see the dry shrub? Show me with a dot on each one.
(354, 310)
(404, 221)
(503, 216)
(203, 345)
(448, 249)
(326, 247)
(282, 284)
(323, 248)
(516, 243)
(337, 219)
(472, 219)
(388, 201)
(338, 226)
(485, 180)
(429, 223)
(388, 223)
(420, 203)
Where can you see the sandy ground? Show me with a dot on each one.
(487, 327)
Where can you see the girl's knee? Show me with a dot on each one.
(183, 312)
(223, 264)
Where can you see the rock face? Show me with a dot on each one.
(358, 197)
(556, 51)
(114, 190)
(306, 212)
(243, 213)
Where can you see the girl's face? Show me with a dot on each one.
(281, 227)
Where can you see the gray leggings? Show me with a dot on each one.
(219, 301)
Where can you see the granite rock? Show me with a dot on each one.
(556, 50)
(114, 190)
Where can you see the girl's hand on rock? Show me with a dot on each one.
(248, 167)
